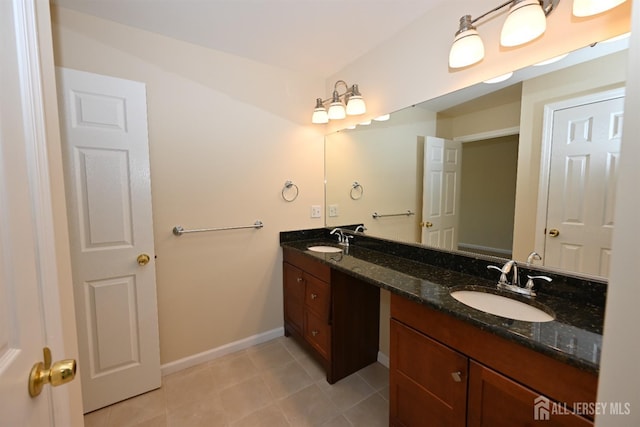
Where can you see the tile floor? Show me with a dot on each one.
(274, 384)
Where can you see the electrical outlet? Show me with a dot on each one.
(316, 211)
(333, 210)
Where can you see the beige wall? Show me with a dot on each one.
(386, 159)
(220, 155)
(504, 116)
(488, 193)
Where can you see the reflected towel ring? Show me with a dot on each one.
(356, 191)
(288, 185)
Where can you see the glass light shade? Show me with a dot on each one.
(382, 118)
(356, 106)
(593, 7)
(320, 116)
(336, 111)
(551, 60)
(467, 49)
(526, 22)
(365, 123)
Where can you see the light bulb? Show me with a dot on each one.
(526, 22)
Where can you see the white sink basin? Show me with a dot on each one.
(325, 249)
(501, 306)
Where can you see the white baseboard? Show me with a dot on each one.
(214, 353)
(383, 359)
(472, 248)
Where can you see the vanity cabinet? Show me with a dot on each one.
(446, 372)
(333, 315)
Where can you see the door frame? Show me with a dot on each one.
(36, 83)
(545, 159)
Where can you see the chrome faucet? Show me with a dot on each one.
(533, 256)
(512, 267)
(339, 233)
(343, 239)
(360, 228)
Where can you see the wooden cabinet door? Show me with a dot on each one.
(294, 286)
(497, 401)
(428, 381)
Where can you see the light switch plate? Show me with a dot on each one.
(316, 211)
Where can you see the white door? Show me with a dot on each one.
(582, 186)
(441, 193)
(29, 306)
(105, 145)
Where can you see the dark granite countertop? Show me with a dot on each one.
(574, 337)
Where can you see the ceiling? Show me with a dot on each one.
(310, 36)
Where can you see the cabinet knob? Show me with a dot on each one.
(457, 376)
(314, 333)
(314, 296)
(299, 279)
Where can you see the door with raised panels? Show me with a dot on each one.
(105, 144)
(582, 185)
(441, 193)
(30, 317)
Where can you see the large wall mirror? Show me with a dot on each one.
(498, 169)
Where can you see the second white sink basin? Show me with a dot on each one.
(325, 249)
(502, 306)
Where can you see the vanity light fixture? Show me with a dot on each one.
(337, 110)
(382, 118)
(527, 20)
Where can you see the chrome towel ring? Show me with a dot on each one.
(291, 189)
(357, 190)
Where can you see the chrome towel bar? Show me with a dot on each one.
(179, 231)
(407, 213)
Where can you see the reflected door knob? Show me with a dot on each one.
(554, 232)
(143, 259)
(42, 373)
(427, 224)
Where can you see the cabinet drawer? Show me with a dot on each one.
(311, 266)
(426, 378)
(317, 297)
(318, 333)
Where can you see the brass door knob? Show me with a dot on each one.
(427, 224)
(42, 373)
(143, 259)
(554, 232)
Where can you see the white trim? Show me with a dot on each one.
(26, 28)
(214, 353)
(545, 160)
(498, 133)
(383, 359)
